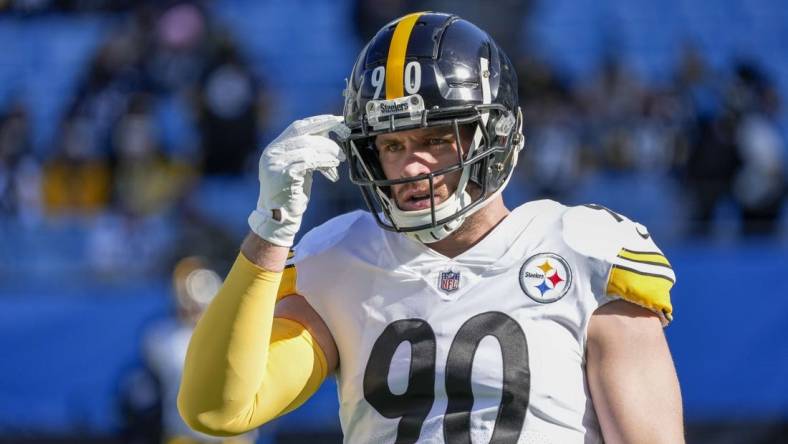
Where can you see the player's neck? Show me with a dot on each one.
(473, 230)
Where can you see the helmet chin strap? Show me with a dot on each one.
(421, 217)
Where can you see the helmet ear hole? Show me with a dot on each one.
(372, 159)
(367, 163)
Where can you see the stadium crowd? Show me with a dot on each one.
(168, 101)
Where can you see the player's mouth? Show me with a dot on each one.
(415, 200)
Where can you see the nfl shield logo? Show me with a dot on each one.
(449, 281)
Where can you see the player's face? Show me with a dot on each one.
(421, 151)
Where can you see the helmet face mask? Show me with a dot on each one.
(456, 77)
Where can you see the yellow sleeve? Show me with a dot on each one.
(243, 366)
(643, 278)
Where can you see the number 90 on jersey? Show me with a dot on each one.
(413, 406)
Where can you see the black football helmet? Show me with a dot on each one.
(432, 69)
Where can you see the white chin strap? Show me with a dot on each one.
(449, 207)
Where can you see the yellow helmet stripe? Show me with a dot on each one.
(395, 63)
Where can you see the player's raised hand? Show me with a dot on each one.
(286, 167)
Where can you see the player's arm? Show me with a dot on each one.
(631, 376)
(244, 366)
(629, 369)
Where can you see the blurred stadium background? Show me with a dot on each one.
(129, 133)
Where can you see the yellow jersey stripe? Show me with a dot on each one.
(398, 48)
(648, 290)
(643, 273)
(287, 287)
(644, 257)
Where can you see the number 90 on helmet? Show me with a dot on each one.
(425, 70)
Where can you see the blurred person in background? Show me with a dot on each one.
(759, 182)
(736, 151)
(656, 134)
(20, 170)
(574, 298)
(609, 103)
(146, 180)
(553, 165)
(231, 109)
(180, 46)
(113, 76)
(149, 394)
(77, 178)
(711, 157)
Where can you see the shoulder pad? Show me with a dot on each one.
(328, 234)
(314, 242)
(639, 272)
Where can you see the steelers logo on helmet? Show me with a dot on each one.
(545, 277)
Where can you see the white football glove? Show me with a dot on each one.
(286, 167)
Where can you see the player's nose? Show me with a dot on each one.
(415, 167)
(417, 163)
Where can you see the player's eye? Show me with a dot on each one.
(439, 141)
(392, 147)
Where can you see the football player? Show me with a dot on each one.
(446, 316)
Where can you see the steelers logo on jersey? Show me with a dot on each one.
(545, 277)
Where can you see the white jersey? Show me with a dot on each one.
(488, 346)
